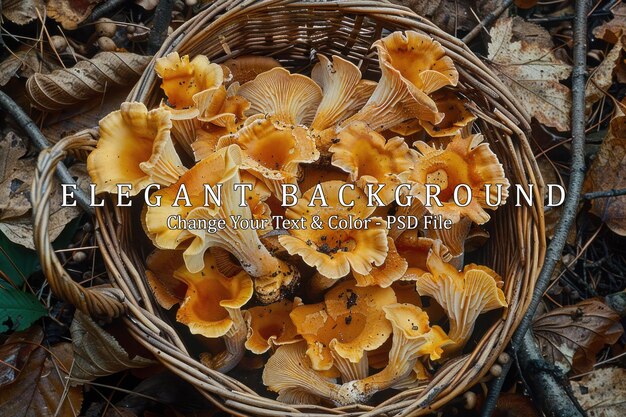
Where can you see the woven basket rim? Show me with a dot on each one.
(523, 233)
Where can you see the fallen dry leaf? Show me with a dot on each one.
(22, 11)
(602, 393)
(611, 157)
(529, 67)
(97, 353)
(16, 176)
(41, 389)
(85, 81)
(602, 77)
(612, 30)
(572, 336)
(69, 13)
(15, 351)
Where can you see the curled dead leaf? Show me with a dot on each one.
(612, 30)
(602, 77)
(97, 353)
(529, 67)
(572, 336)
(69, 13)
(610, 158)
(16, 176)
(602, 393)
(22, 11)
(15, 351)
(84, 81)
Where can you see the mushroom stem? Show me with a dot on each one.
(416, 208)
(318, 284)
(234, 340)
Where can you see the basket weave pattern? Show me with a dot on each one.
(292, 32)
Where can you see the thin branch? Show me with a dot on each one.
(39, 140)
(604, 194)
(105, 9)
(570, 207)
(545, 381)
(487, 21)
(162, 18)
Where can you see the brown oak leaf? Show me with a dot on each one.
(69, 13)
(612, 30)
(572, 336)
(15, 351)
(22, 11)
(602, 393)
(611, 157)
(522, 56)
(41, 389)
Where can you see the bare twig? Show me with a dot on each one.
(546, 382)
(103, 10)
(555, 248)
(604, 194)
(487, 21)
(39, 140)
(162, 18)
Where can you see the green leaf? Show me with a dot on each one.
(21, 308)
(19, 262)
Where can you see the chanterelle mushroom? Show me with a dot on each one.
(463, 295)
(340, 330)
(464, 162)
(412, 338)
(413, 65)
(273, 277)
(212, 303)
(334, 252)
(272, 150)
(370, 159)
(191, 87)
(135, 148)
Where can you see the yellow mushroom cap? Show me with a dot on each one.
(335, 252)
(290, 98)
(419, 59)
(456, 115)
(209, 294)
(370, 159)
(463, 295)
(272, 150)
(415, 250)
(386, 274)
(135, 148)
(464, 161)
(183, 79)
(269, 326)
(348, 323)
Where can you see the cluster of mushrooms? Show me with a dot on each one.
(341, 314)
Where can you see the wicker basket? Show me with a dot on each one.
(292, 31)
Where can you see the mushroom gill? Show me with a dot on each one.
(464, 295)
(291, 98)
